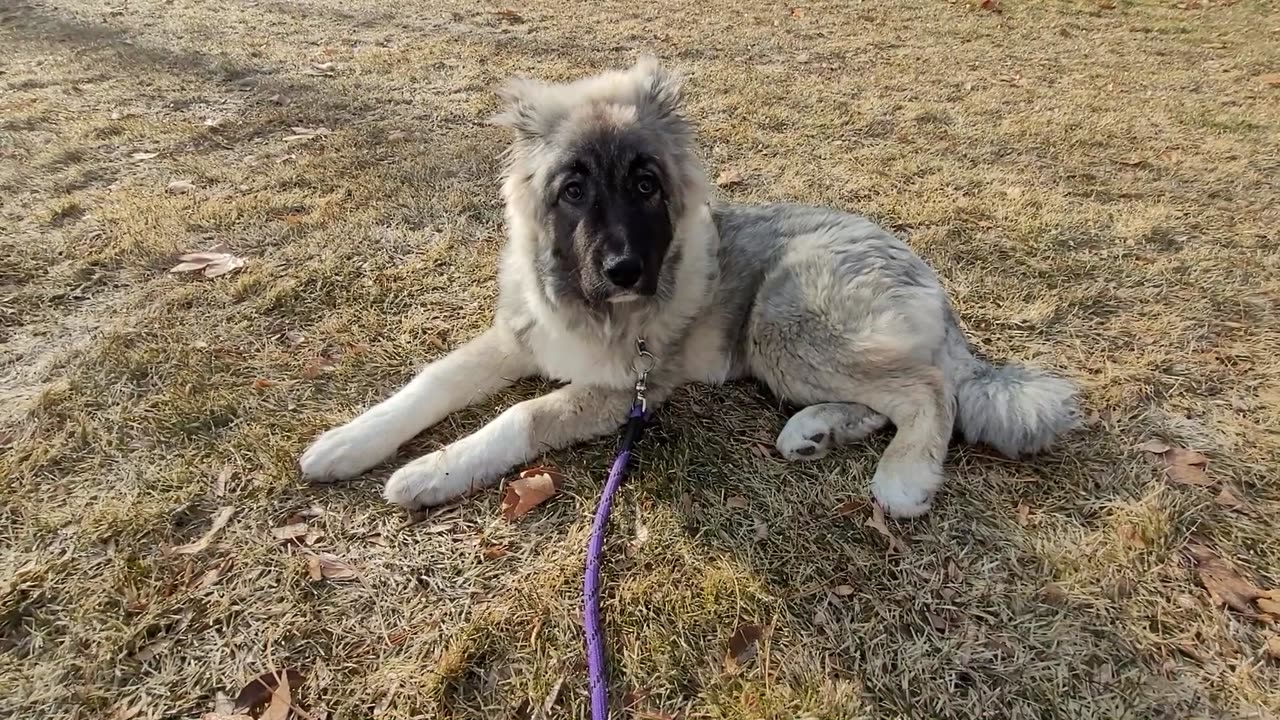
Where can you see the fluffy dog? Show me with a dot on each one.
(612, 238)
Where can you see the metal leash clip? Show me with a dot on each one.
(642, 365)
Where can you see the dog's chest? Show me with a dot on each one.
(569, 357)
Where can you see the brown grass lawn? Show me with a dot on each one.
(1097, 183)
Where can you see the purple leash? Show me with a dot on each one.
(597, 680)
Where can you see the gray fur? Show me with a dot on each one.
(831, 311)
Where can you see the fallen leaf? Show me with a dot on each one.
(737, 502)
(207, 579)
(493, 552)
(797, 12)
(877, 523)
(1107, 4)
(843, 590)
(144, 155)
(1024, 513)
(1269, 603)
(1228, 499)
(324, 69)
(1188, 475)
(219, 521)
(990, 5)
(178, 187)
(316, 367)
(260, 690)
(762, 529)
(849, 507)
(761, 450)
(212, 263)
(262, 383)
(1182, 466)
(1225, 584)
(1270, 79)
(729, 178)
(293, 337)
(742, 645)
(327, 566)
(292, 531)
(1157, 447)
(1129, 535)
(220, 484)
(937, 622)
(1273, 647)
(530, 489)
(1053, 593)
(148, 652)
(281, 700)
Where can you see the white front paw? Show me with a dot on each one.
(905, 490)
(432, 479)
(347, 451)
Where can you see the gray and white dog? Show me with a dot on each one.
(612, 238)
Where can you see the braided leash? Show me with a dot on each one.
(597, 680)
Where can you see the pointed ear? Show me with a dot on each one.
(660, 88)
(523, 113)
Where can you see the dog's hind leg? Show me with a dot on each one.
(910, 471)
(814, 431)
(471, 373)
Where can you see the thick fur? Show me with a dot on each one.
(832, 312)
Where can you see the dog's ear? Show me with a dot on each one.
(522, 113)
(661, 90)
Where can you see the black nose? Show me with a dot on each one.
(623, 271)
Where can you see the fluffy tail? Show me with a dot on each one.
(1014, 409)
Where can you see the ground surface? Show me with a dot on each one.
(1096, 184)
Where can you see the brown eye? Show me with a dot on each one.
(645, 186)
(572, 192)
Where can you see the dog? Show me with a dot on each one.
(613, 238)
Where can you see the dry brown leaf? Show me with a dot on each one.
(219, 521)
(797, 12)
(990, 5)
(493, 552)
(729, 177)
(1269, 603)
(877, 523)
(1188, 475)
(1053, 593)
(207, 579)
(843, 590)
(281, 700)
(549, 702)
(316, 367)
(260, 690)
(742, 645)
(736, 502)
(1228, 499)
(293, 531)
(178, 187)
(1024, 513)
(530, 489)
(1270, 79)
(1224, 582)
(327, 566)
(937, 622)
(849, 507)
(762, 529)
(262, 383)
(220, 484)
(324, 69)
(210, 263)
(1129, 535)
(1157, 447)
(1273, 647)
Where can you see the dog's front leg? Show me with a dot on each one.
(570, 415)
(476, 370)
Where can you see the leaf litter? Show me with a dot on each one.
(1182, 466)
(877, 522)
(219, 521)
(211, 263)
(528, 490)
(743, 645)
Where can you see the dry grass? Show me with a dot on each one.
(1097, 186)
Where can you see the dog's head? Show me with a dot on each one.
(604, 170)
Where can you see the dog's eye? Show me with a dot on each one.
(572, 192)
(646, 186)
